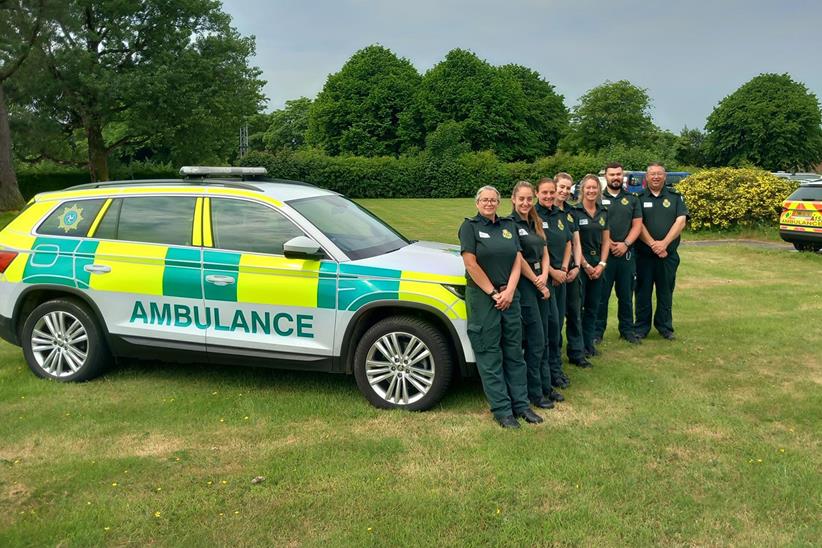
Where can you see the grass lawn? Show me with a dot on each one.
(711, 439)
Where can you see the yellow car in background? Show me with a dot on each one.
(801, 219)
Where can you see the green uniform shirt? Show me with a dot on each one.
(622, 209)
(571, 220)
(590, 230)
(494, 243)
(530, 241)
(558, 229)
(660, 212)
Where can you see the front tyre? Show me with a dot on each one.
(403, 362)
(61, 340)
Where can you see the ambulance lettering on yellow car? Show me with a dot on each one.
(801, 216)
(275, 273)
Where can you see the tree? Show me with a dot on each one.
(690, 148)
(288, 126)
(171, 76)
(20, 24)
(614, 113)
(509, 110)
(546, 117)
(359, 108)
(771, 121)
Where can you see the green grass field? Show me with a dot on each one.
(713, 439)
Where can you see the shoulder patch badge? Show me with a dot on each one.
(71, 218)
(666, 203)
(624, 201)
(602, 221)
(506, 234)
(560, 224)
(570, 218)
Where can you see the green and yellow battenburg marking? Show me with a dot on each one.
(157, 270)
(148, 269)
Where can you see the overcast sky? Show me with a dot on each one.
(688, 55)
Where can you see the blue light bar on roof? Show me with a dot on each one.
(224, 171)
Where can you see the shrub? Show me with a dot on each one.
(730, 197)
(47, 177)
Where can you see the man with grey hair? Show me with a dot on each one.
(664, 215)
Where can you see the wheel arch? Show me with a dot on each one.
(34, 296)
(372, 313)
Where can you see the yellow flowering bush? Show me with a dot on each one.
(731, 197)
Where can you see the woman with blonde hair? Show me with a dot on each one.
(595, 239)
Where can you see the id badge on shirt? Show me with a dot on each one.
(583, 222)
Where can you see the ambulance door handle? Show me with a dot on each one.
(216, 279)
(97, 269)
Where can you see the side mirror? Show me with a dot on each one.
(302, 247)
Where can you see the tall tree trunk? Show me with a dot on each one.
(10, 197)
(97, 154)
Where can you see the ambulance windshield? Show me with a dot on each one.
(355, 230)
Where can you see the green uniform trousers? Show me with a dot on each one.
(653, 272)
(591, 295)
(535, 314)
(619, 274)
(570, 312)
(554, 334)
(496, 338)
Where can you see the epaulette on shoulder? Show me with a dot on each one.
(672, 190)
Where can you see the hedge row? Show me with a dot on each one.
(717, 198)
(418, 176)
(729, 197)
(48, 177)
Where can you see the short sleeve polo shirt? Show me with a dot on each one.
(622, 210)
(591, 228)
(495, 244)
(660, 212)
(530, 241)
(558, 230)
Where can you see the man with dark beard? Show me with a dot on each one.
(625, 224)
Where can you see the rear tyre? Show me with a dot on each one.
(807, 246)
(403, 363)
(61, 340)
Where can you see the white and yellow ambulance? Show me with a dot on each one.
(223, 266)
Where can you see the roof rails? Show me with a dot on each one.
(166, 182)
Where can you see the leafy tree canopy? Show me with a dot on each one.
(690, 148)
(614, 113)
(114, 75)
(510, 110)
(772, 122)
(359, 108)
(288, 126)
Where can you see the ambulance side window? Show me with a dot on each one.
(152, 219)
(240, 225)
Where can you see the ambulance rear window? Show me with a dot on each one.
(72, 218)
(807, 194)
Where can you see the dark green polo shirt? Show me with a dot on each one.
(660, 212)
(622, 210)
(571, 220)
(591, 228)
(558, 229)
(530, 241)
(495, 243)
